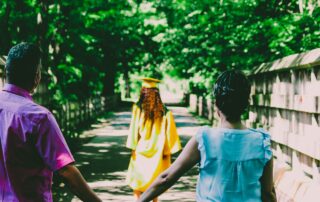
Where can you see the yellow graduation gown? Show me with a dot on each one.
(151, 142)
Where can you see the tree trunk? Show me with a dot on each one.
(127, 83)
(42, 31)
(109, 80)
(110, 72)
(109, 47)
(58, 49)
(21, 22)
(5, 35)
(301, 6)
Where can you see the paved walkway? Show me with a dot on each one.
(104, 160)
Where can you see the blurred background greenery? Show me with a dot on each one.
(95, 47)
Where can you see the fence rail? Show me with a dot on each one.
(285, 99)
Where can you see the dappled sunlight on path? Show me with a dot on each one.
(104, 160)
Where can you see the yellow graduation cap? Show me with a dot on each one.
(150, 82)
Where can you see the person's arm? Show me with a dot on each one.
(133, 135)
(172, 144)
(185, 161)
(268, 193)
(77, 184)
(56, 155)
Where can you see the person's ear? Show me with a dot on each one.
(219, 113)
(37, 79)
(217, 109)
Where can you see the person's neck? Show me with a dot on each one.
(22, 87)
(232, 125)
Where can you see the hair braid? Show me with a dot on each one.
(232, 91)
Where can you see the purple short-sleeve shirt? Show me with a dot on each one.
(31, 148)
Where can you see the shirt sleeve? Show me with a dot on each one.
(133, 135)
(173, 144)
(51, 144)
(266, 146)
(201, 144)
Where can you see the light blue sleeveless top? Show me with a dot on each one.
(232, 162)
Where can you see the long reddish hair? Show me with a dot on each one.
(151, 103)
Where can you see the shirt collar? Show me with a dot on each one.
(17, 90)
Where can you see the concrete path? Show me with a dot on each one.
(104, 160)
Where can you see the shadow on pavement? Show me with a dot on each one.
(104, 160)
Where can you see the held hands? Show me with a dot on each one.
(164, 157)
(133, 154)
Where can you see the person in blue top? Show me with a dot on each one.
(235, 162)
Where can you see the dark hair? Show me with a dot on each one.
(22, 64)
(232, 91)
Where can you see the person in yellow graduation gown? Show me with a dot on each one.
(152, 138)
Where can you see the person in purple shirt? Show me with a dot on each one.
(32, 146)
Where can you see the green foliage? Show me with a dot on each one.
(89, 44)
(206, 37)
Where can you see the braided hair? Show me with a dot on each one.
(232, 91)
